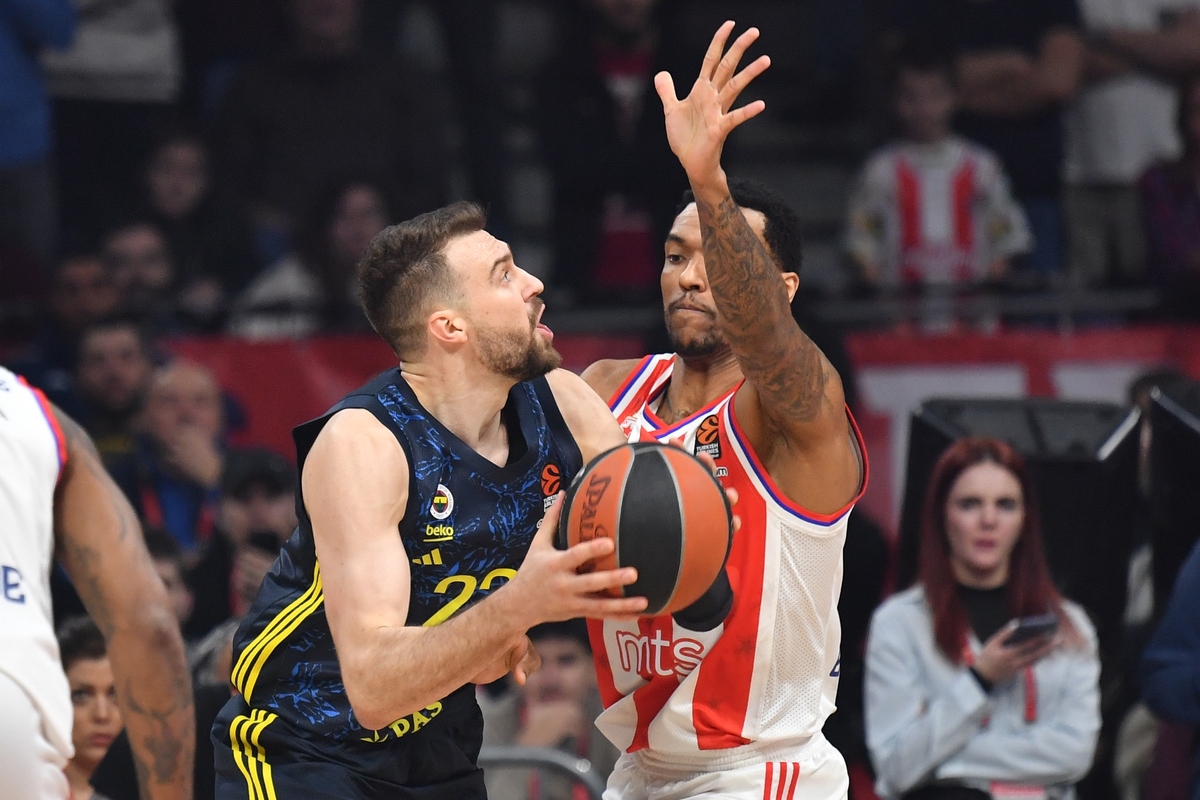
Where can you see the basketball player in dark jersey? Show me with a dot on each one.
(417, 566)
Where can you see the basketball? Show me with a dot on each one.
(665, 511)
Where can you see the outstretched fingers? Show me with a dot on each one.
(735, 118)
(712, 58)
(664, 84)
(731, 90)
(729, 62)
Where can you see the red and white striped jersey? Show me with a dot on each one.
(32, 453)
(934, 213)
(769, 673)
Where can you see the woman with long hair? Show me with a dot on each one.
(960, 702)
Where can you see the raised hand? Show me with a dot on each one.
(698, 125)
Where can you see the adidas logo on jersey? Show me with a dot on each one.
(650, 656)
(430, 559)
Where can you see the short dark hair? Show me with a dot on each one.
(783, 229)
(573, 629)
(162, 546)
(405, 267)
(144, 336)
(79, 639)
(924, 54)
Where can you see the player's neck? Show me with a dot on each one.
(696, 382)
(466, 402)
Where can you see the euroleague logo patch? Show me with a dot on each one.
(551, 483)
(707, 440)
(443, 503)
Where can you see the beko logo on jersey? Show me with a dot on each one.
(650, 656)
(439, 533)
(443, 503)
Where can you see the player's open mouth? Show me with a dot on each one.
(549, 333)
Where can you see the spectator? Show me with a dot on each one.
(150, 285)
(114, 90)
(324, 107)
(207, 238)
(1171, 203)
(173, 479)
(314, 287)
(1120, 124)
(932, 208)
(1171, 660)
(27, 208)
(94, 698)
(952, 710)
(257, 513)
(616, 183)
(556, 708)
(168, 563)
(82, 292)
(1018, 62)
(112, 375)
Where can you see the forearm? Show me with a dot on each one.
(404, 669)
(1043, 754)
(1173, 52)
(155, 694)
(918, 740)
(777, 358)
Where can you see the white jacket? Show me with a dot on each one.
(929, 720)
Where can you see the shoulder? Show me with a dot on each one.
(1080, 620)
(880, 166)
(607, 375)
(352, 438)
(586, 414)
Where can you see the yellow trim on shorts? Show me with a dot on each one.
(250, 756)
(250, 663)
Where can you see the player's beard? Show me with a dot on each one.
(518, 355)
(705, 345)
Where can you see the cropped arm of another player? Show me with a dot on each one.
(791, 406)
(99, 543)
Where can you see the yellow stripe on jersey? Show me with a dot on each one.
(250, 756)
(250, 663)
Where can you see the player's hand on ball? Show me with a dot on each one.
(552, 587)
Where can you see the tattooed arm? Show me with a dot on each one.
(100, 544)
(791, 407)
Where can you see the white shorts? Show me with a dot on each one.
(31, 768)
(812, 771)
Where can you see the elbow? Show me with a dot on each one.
(364, 702)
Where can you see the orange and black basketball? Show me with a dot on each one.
(667, 514)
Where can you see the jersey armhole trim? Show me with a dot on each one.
(760, 472)
(60, 440)
(618, 397)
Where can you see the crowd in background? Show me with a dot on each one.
(216, 167)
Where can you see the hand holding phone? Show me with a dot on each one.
(1039, 626)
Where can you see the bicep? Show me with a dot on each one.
(587, 416)
(98, 538)
(355, 485)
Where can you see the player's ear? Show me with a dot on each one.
(447, 327)
(792, 281)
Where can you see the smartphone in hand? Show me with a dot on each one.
(1035, 627)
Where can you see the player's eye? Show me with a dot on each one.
(504, 278)
(675, 259)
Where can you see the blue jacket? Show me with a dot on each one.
(26, 27)
(1171, 661)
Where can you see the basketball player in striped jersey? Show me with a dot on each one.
(56, 500)
(728, 700)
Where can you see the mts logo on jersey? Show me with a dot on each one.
(652, 654)
(707, 440)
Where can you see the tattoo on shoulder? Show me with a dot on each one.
(777, 358)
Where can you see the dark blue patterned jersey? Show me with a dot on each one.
(466, 529)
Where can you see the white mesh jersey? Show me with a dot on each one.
(32, 454)
(769, 674)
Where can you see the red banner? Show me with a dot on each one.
(280, 384)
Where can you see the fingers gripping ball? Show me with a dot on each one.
(666, 513)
